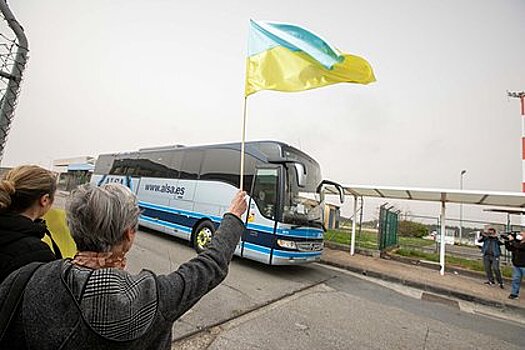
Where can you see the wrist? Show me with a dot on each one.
(234, 212)
(235, 215)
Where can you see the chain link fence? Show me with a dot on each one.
(461, 239)
(464, 252)
(13, 58)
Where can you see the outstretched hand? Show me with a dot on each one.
(238, 204)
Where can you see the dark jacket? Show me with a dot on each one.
(518, 252)
(490, 244)
(71, 307)
(21, 243)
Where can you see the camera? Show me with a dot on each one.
(515, 235)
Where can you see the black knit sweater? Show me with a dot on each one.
(21, 243)
(518, 252)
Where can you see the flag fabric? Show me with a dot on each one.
(286, 57)
(56, 222)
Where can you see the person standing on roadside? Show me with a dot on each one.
(491, 254)
(26, 194)
(517, 247)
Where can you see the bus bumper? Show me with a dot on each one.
(295, 260)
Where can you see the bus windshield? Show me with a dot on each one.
(302, 205)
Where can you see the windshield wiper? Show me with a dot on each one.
(311, 223)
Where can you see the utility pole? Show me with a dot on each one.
(521, 96)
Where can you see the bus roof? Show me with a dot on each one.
(251, 147)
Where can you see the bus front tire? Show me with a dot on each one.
(202, 237)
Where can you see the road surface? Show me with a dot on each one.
(319, 307)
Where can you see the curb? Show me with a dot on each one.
(343, 247)
(429, 288)
(450, 268)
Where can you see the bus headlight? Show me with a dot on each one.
(286, 244)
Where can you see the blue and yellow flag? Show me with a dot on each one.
(56, 223)
(286, 57)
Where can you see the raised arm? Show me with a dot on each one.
(180, 290)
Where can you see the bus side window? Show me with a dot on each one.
(191, 164)
(104, 164)
(221, 165)
(265, 191)
(160, 164)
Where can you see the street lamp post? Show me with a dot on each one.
(521, 96)
(463, 172)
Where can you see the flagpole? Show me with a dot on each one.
(242, 143)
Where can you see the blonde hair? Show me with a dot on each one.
(20, 187)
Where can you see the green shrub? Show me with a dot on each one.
(412, 229)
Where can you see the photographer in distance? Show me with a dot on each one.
(516, 244)
(491, 254)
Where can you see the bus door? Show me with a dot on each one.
(263, 212)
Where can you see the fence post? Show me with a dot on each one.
(352, 243)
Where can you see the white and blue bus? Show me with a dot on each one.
(184, 191)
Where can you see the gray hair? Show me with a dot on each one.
(98, 216)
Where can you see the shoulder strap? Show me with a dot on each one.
(13, 298)
(56, 249)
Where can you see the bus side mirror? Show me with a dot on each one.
(341, 194)
(339, 188)
(300, 171)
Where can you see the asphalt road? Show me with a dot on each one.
(318, 307)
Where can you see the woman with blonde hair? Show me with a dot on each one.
(26, 194)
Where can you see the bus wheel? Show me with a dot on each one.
(203, 234)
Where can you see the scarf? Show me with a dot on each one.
(94, 260)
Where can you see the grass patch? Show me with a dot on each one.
(368, 239)
(413, 241)
(474, 265)
(417, 254)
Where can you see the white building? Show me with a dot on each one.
(73, 171)
(61, 165)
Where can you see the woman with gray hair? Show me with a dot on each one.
(102, 221)
(90, 302)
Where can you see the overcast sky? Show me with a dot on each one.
(115, 75)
